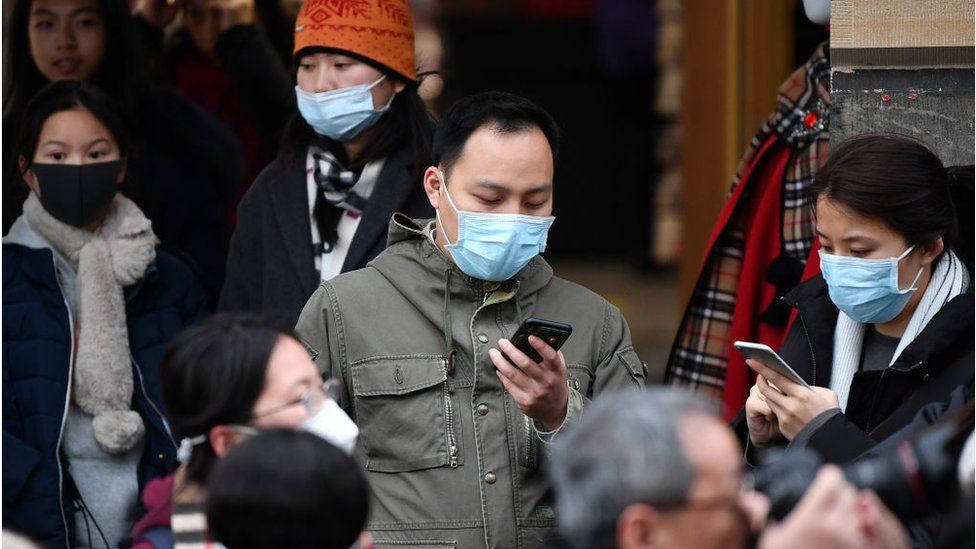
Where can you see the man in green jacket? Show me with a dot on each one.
(452, 434)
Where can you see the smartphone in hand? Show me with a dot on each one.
(764, 354)
(553, 333)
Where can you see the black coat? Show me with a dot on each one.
(245, 52)
(184, 167)
(271, 264)
(881, 403)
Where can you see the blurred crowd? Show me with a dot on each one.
(255, 294)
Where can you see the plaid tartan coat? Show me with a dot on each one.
(760, 245)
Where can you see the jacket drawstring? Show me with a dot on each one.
(448, 333)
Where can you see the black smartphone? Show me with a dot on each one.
(554, 334)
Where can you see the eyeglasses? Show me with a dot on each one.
(311, 399)
(716, 503)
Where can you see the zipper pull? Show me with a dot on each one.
(454, 456)
(450, 386)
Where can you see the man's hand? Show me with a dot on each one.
(763, 423)
(834, 514)
(539, 388)
(158, 13)
(882, 528)
(827, 516)
(793, 404)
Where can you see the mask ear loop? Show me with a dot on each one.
(911, 287)
(440, 175)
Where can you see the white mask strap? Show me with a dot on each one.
(917, 276)
(905, 253)
(440, 175)
(373, 85)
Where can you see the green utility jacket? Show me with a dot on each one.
(450, 459)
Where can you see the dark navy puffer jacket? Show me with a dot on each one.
(38, 494)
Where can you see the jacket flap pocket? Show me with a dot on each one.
(397, 375)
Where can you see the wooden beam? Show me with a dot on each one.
(736, 55)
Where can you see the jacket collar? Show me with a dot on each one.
(289, 205)
(392, 189)
(819, 315)
(418, 269)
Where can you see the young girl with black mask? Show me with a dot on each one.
(88, 303)
(188, 161)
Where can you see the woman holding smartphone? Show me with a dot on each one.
(887, 329)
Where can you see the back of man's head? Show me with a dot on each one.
(286, 489)
(626, 449)
(504, 112)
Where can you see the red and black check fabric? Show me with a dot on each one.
(798, 128)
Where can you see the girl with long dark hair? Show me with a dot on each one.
(88, 303)
(350, 158)
(188, 162)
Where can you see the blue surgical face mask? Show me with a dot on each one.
(494, 246)
(341, 114)
(866, 289)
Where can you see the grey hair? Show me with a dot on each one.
(625, 449)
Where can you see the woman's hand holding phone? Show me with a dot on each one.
(763, 423)
(792, 404)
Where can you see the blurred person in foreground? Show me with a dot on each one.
(288, 489)
(224, 380)
(660, 469)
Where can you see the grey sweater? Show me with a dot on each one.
(109, 485)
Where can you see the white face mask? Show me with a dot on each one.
(332, 425)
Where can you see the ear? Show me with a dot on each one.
(28, 176)
(398, 86)
(432, 186)
(930, 251)
(222, 439)
(122, 168)
(637, 527)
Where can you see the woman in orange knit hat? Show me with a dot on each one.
(351, 156)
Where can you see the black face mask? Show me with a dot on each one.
(77, 194)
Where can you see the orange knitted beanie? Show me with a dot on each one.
(379, 30)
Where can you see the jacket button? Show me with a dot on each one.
(483, 338)
(490, 478)
(483, 409)
(926, 376)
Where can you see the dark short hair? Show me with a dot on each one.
(68, 95)
(899, 181)
(503, 112)
(212, 374)
(286, 489)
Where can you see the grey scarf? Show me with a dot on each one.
(113, 257)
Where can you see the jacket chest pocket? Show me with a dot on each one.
(407, 415)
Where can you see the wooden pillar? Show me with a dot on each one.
(736, 54)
